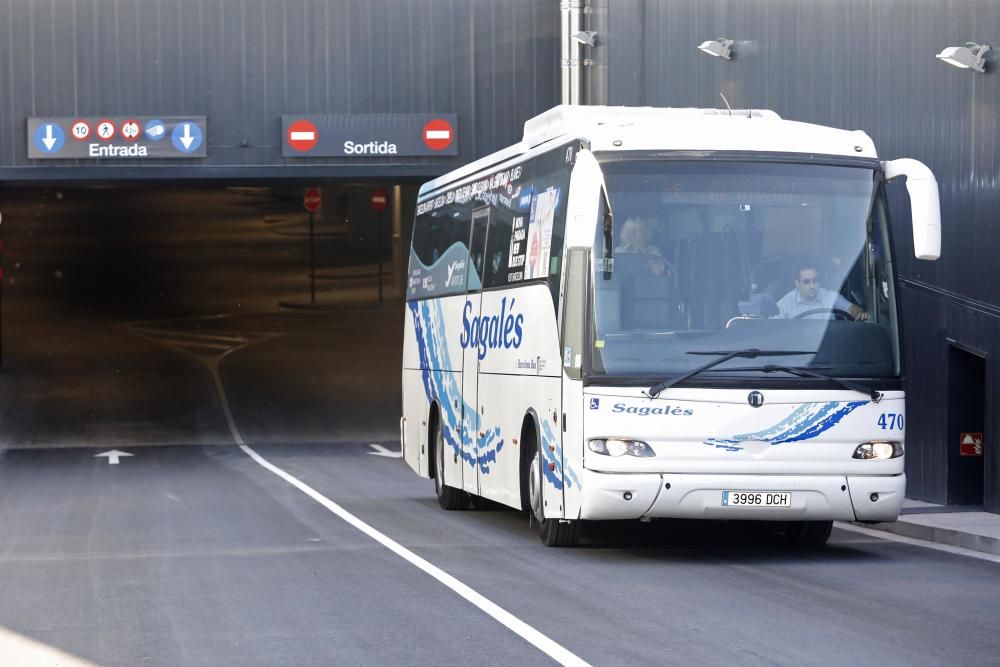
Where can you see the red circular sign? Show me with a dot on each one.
(80, 130)
(438, 134)
(379, 200)
(131, 130)
(302, 135)
(106, 130)
(312, 199)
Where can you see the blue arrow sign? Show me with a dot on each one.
(186, 137)
(49, 138)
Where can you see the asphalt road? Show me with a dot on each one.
(200, 556)
(191, 552)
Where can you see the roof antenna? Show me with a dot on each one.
(727, 103)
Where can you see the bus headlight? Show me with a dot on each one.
(619, 447)
(879, 449)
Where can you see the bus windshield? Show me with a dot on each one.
(716, 256)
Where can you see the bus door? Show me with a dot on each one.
(471, 415)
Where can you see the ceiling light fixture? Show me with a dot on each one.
(720, 48)
(969, 56)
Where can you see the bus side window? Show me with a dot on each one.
(574, 311)
(477, 247)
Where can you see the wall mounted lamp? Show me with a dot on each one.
(969, 56)
(720, 48)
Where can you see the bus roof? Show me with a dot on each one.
(672, 129)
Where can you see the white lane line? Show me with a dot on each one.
(893, 537)
(550, 648)
(504, 617)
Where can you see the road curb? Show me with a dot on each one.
(949, 536)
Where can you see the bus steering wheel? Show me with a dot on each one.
(838, 314)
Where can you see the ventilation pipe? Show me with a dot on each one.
(572, 14)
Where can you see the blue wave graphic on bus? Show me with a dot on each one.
(805, 422)
(447, 274)
(439, 386)
(550, 456)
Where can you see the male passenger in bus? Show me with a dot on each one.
(808, 295)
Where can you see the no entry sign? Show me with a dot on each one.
(312, 199)
(438, 134)
(366, 136)
(379, 200)
(302, 135)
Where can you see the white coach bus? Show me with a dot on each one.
(643, 313)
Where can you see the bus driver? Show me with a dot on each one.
(808, 295)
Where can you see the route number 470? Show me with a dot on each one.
(890, 421)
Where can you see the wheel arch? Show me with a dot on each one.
(530, 439)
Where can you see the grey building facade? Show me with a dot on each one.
(243, 64)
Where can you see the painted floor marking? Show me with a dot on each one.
(532, 636)
(384, 451)
(547, 646)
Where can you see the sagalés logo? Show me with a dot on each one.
(489, 332)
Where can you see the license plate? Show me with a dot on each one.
(756, 499)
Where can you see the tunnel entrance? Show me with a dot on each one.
(188, 315)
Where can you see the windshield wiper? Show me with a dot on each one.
(874, 394)
(751, 353)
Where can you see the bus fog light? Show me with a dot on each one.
(619, 447)
(879, 450)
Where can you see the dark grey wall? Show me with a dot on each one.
(868, 65)
(244, 63)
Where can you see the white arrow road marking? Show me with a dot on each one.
(186, 138)
(382, 451)
(49, 140)
(112, 456)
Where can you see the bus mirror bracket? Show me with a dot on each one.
(925, 206)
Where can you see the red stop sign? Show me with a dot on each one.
(312, 199)
(379, 200)
(438, 134)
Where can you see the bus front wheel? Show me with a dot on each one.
(553, 532)
(449, 498)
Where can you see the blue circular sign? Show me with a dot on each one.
(155, 130)
(186, 137)
(49, 138)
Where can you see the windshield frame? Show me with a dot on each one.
(717, 379)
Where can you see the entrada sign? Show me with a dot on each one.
(117, 137)
(371, 135)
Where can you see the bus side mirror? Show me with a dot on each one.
(925, 207)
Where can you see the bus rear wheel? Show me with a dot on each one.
(809, 534)
(553, 532)
(449, 498)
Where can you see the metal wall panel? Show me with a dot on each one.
(868, 65)
(244, 63)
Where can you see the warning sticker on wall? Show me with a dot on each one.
(971, 444)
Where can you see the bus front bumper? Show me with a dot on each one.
(608, 496)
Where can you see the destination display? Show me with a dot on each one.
(369, 135)
(117, 137)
